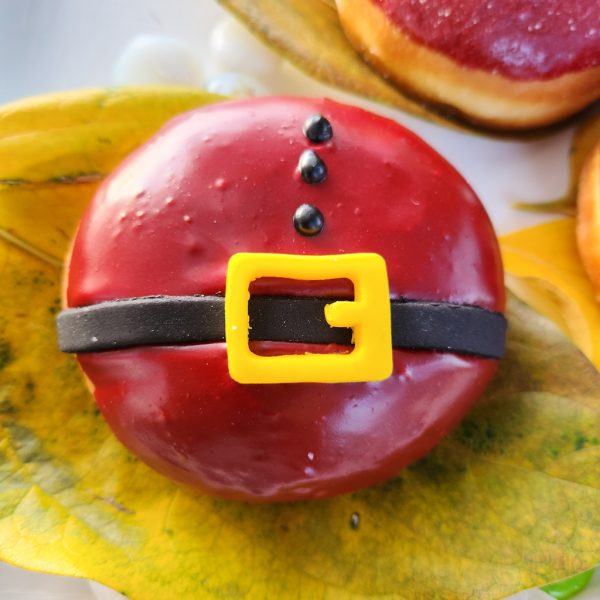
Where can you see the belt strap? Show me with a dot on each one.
(168, 320)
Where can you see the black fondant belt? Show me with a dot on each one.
(168, 320)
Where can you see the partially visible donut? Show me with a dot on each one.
(505, 64)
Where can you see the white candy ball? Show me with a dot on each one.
(158, 59)
(235, 85)
(233, 48)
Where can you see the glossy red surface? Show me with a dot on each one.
(520, 39)
(223, 180)
(178, 410)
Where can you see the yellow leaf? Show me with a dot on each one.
(55, 149)
(543, 268)
(588, 217)
(510, 500)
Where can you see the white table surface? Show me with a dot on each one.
(49, 45)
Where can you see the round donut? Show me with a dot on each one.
(302, 177)
(503, 64)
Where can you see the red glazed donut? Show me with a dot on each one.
(501, 63)
(230, 178)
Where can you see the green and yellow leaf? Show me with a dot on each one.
(510, 500)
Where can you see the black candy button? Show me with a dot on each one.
(311, 167)
(308, 220)
(317, 129)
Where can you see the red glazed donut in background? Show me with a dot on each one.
(224, 179)
(506, 64)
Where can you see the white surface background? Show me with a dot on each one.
(49, 45)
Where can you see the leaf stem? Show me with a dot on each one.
(22, 245)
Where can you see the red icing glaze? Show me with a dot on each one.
(520, 39)
(223, 180)
(178, 410)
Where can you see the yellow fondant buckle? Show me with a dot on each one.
(369, 315)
